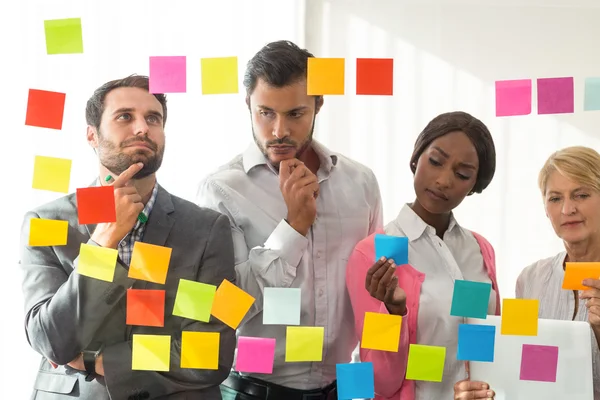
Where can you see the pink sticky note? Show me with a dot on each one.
(513, 97)
(168, 74)
(255, 354)
(539, 363)
(555, 95)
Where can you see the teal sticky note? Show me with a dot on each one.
(63, 36)
(392, 247)
(470, 299)
(591, 100)
(476, 342)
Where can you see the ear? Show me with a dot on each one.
(92, 136)
(319, 104)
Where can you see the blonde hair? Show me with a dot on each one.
(578, 163)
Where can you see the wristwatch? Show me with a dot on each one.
(89, 359)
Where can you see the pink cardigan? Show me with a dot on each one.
(390, 367)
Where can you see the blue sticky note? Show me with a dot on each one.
(470, 299)
(592, 94)
(355, 381)
(393, 247)
(476, 342)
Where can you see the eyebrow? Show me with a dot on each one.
(446, 155)
(554, 192)
(301, 108)
(130, 109)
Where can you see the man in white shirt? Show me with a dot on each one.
(297, 210)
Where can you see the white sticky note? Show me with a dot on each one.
(281, 306)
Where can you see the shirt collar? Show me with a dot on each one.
(413, 226)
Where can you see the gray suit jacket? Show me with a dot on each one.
(65, 311)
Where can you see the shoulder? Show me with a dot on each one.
(63, 208)
(189, 212)
(540, 267)
(354, 168)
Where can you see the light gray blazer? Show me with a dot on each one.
(66, 311)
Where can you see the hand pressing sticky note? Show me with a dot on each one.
(219, 75)
(63, 36)
(577, 272)
(151, 352)
(194, 300)
(539, 363)
(45, 109)
(255, 354)
(513, 97)
(97, 262)
(476, 342)
(96, 205)
(48, 232)
(375, 76)
(149, 262)
(425, 363)
(391, 247)
(200, 350)
(304, 343)
(168, 74)
(470, 299)
(231, 304)
(145, 307)
(53, 174)
(325, 76)
(355, 381)
(520, 317)
(281, 306)
(381, 332)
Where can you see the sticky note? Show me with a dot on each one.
(381, 331)
(539, 363)
(520, 317)
(150, 262)
(375, 76)
(325, 76)
(151, 352)
(576, 272)
(96, 205)
(168, 74)
(281, 306)
(591, 100)
(63, 36)
(476, 342)
(194, 300)
(45, 109)
(48, 232)
(470, 299)
(53, 174)
(391, 247)
(231, 304)
(97, 262)
(425, 363)
(304, 343)
(355, 381)
(145, 307)
(555, 95)
(219, 75)
(255, 354)
(200, 350)
(513, 97)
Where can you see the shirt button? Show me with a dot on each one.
(320, 292)
(318, 254)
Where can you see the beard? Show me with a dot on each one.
(116, 161)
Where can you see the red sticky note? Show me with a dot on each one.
(555, 95)
(145, 307)
(96, 205)
(375, 76)
(513, 97)
(45, 109)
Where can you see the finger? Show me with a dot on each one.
(378, 275)
(595, 310)
(590, 294)
(286, 167)
(306, 181)
(592, 283)
(390, 289)
(129, 173)
(471, 386)
(309, 191)
(384, 282)
(373, 269)
(475, 394)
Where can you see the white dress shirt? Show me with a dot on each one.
(457, 256)
(270, 253)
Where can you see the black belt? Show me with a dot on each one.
(269, 391)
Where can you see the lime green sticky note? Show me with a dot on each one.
(219, 75)
(151, 352)
(97, 262)
(304, 343)
(425, 363)
(63, 36)
(51, 173)
(194, 300)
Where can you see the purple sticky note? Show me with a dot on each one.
(513, 97)
(168, 74)
(555, 95)
(255, 354)
(539, 363)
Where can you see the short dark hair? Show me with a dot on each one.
(95, 104)
(475, 130)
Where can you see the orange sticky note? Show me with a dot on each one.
(325, 76)
(45, 109)
(520, 317)
(150, 262)
(48, 232)
(200, 350)
(375, 76)
(381, 331)
(231, 304)
(145, 307)
(576, 272)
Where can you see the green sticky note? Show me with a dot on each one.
(63, 36)
(592, 94)
(425, 363)
(194, 300)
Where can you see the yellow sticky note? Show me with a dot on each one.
(304, 343)
(381, 331)
(50, 173)
(97, 262)
(425, 363)
(231, 304)
(325, 76)
(194, 300)
(200, 350)
(151, 352)
(48, 232)
(149, 262)
(520, 317)
(219, 75)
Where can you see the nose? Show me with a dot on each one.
(444, 178)
(140, 127)
(280, 129)
(568, 207)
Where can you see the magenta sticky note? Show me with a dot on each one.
(539, 363)
(255, 354)
(513, 97)
(168, 74)
(555, 95)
